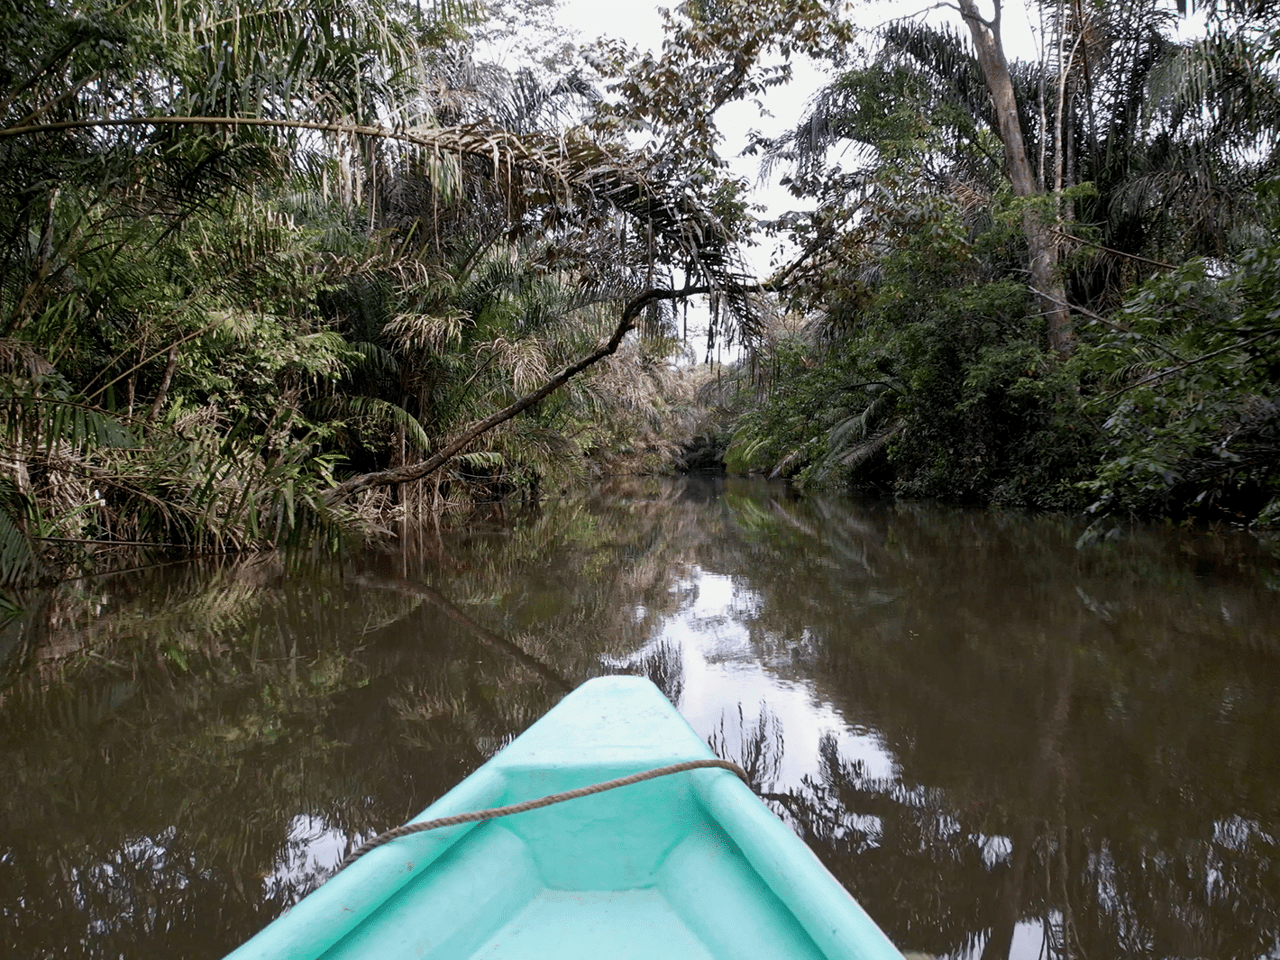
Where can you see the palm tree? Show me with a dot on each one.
(161, 158)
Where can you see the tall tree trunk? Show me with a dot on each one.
(1043, 247)
(169, 367)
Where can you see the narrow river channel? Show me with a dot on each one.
(1005, 746)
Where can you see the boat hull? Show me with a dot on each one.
(689, 866)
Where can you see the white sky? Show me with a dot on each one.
(722, 668)
(638, 23)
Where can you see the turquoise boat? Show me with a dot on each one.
(691, 866)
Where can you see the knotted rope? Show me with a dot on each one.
(493, 812)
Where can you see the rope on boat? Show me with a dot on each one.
(493, 812)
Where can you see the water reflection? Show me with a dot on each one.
(1002, 745)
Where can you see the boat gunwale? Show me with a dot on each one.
(838, 926)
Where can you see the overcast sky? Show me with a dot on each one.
(638, 23)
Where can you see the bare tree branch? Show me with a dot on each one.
(1085, 311)
(416, 471)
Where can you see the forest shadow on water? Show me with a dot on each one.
(1003, 746)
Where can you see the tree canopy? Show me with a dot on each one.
(268, 273)
(1042, 283)
(259, 261)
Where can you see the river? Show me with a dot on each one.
(1004, 745)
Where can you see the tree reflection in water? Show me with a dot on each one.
(759, 748)
(661, 662)
(1074, 779)
(1028, 748)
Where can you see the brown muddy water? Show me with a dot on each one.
(1004, 746)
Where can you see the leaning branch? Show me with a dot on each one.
(416, 471)
(494, 641)
(184, 121)
(1170, 371)
(1111, 250)
(1118, 328)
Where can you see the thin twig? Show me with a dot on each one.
(1111, 250)
(1114, 326)
(1161, 374)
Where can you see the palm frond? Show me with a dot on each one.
(378, 413)
(480, 460)
(854, 455)
(19, 560)
(375, 357)
(423, 332)
(1223, 74)
(523, 359)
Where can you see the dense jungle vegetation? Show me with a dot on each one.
(1050, 284)
(270, 273)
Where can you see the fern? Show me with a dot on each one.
(480, 460)
(19, 561)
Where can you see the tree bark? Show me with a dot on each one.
(1042, 244)
(169, 367)
(416, 471)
